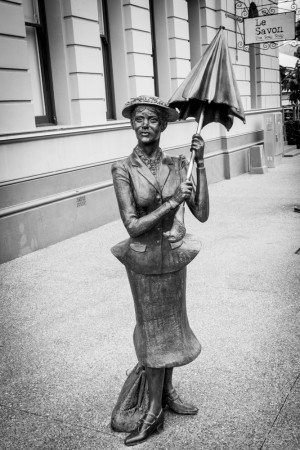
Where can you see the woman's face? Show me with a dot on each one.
(147, 125)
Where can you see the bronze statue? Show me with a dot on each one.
(151, 189)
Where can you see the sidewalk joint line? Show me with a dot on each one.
(280, 409)
(47, 416)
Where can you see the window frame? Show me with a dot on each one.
(107, 61)
(154, 52)
(49, 118)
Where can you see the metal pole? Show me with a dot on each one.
(199, 127)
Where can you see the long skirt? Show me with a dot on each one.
(162, 335)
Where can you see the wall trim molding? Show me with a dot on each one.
(22, 207)
(222, 150)
(242, 147)
(61, 131)
(167, 149)
(115, 125)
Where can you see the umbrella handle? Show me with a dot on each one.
(199, 127)
(190, 169)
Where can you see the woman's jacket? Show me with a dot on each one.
(147, 215)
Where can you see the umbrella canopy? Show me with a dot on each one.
(210, 90)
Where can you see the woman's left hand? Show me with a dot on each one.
(198, 147)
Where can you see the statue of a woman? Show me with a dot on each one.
(151, 187)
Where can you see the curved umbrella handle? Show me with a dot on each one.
(199, 127)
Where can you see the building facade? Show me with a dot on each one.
(68, 66)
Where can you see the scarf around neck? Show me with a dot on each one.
(152, 163)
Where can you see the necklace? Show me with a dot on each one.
(152, 163)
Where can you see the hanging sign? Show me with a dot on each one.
(273, 28)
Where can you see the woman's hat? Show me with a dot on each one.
(149, 100)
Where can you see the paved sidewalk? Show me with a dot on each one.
(67, 321)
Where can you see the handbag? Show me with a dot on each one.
(133, 401)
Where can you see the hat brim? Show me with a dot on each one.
(172, 114)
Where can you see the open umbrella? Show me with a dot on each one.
(210, 92)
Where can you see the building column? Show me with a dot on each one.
(85, 62)
(16, 108)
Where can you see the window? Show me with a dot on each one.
(254, 59)
(194, 15)
(107, 62)
(39, 62)
(154, 53)
(254, 62)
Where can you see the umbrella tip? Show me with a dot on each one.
(222, 28)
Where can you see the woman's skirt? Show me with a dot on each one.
(162, 335)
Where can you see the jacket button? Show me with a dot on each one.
(157, 242)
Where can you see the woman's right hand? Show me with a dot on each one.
(182, 193)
